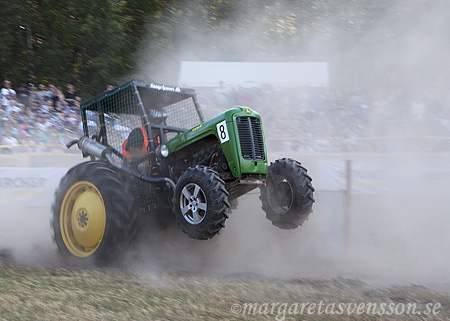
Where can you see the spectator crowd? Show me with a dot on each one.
(39, 118)
(323, 120)
(295, 119)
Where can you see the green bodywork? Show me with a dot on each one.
(231, 148)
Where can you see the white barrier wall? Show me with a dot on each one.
(26, 195)
(32, 186)
(380, 175)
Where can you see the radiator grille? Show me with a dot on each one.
(250, 138)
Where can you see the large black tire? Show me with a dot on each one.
(93, 214)
(201, 202)
(287, 198)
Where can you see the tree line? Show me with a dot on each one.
(93, 43)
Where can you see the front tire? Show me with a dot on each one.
(93, 214)
(201, 202)
(287, 198)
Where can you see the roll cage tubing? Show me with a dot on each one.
(184, 93)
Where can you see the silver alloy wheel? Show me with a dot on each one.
(193, 203)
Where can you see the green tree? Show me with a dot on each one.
(87, 43)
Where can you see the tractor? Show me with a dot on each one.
(150, 150)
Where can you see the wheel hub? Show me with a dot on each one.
(280, 194)
(82, 218)
(193, 203)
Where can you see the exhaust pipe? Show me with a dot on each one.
(89, 147)
(93, 148)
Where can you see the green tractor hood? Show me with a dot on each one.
(224, 127)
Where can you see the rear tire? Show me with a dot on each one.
(93, 214)
(287, 198)
(201, 202)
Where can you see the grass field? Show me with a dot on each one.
(32, 293)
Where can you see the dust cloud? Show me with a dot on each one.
(393, 58)
(392, 239)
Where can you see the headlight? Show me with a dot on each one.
(162, 151)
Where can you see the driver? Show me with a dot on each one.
(136, 145)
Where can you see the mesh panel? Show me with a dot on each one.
(119, 126)
(122, 101)
(121, 115)
(182, 114)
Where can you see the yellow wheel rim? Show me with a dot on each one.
(82, 219)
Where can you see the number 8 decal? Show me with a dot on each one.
(222, 132)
